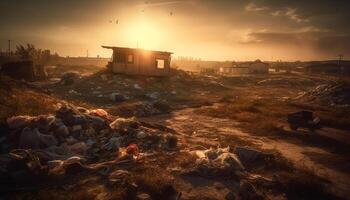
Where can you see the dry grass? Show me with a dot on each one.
(20, 100)
(304, 184)
(260, 117)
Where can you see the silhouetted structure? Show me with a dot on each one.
(256, 67)
(134, 61)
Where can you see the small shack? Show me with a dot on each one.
(135, 61)
(23, 69)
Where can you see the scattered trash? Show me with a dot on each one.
(217, 162)
(144, 196)
(333, 94)
(100, 112)
(133, 150)
(116, 97)
(137, 86)
(124, 124)
(119, 176)
(154, 95)
(68, 78)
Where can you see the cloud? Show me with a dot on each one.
(291, 13)
(321, 43)
(165, 3)
(252, 7)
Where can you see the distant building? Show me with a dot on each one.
(134, 61)
(331, 67)
(256, 67)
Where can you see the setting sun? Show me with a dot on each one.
(144, 34)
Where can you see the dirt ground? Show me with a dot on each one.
(221, 111)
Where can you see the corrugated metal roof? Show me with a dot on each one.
(134, 49)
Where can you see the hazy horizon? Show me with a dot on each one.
(210, 30)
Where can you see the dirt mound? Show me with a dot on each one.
(18, 97)
(335, 94)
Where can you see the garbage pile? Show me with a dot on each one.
(335, 94)
(73, 139)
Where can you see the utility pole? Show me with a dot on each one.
(340, 58)
(9, 47)
(87, 53)
(339, 64)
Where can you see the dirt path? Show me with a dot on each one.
(198, 131)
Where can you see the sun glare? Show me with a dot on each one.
(144, 34)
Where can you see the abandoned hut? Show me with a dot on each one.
(23, 69)
(134, 61)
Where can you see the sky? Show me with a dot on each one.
(207, 29)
